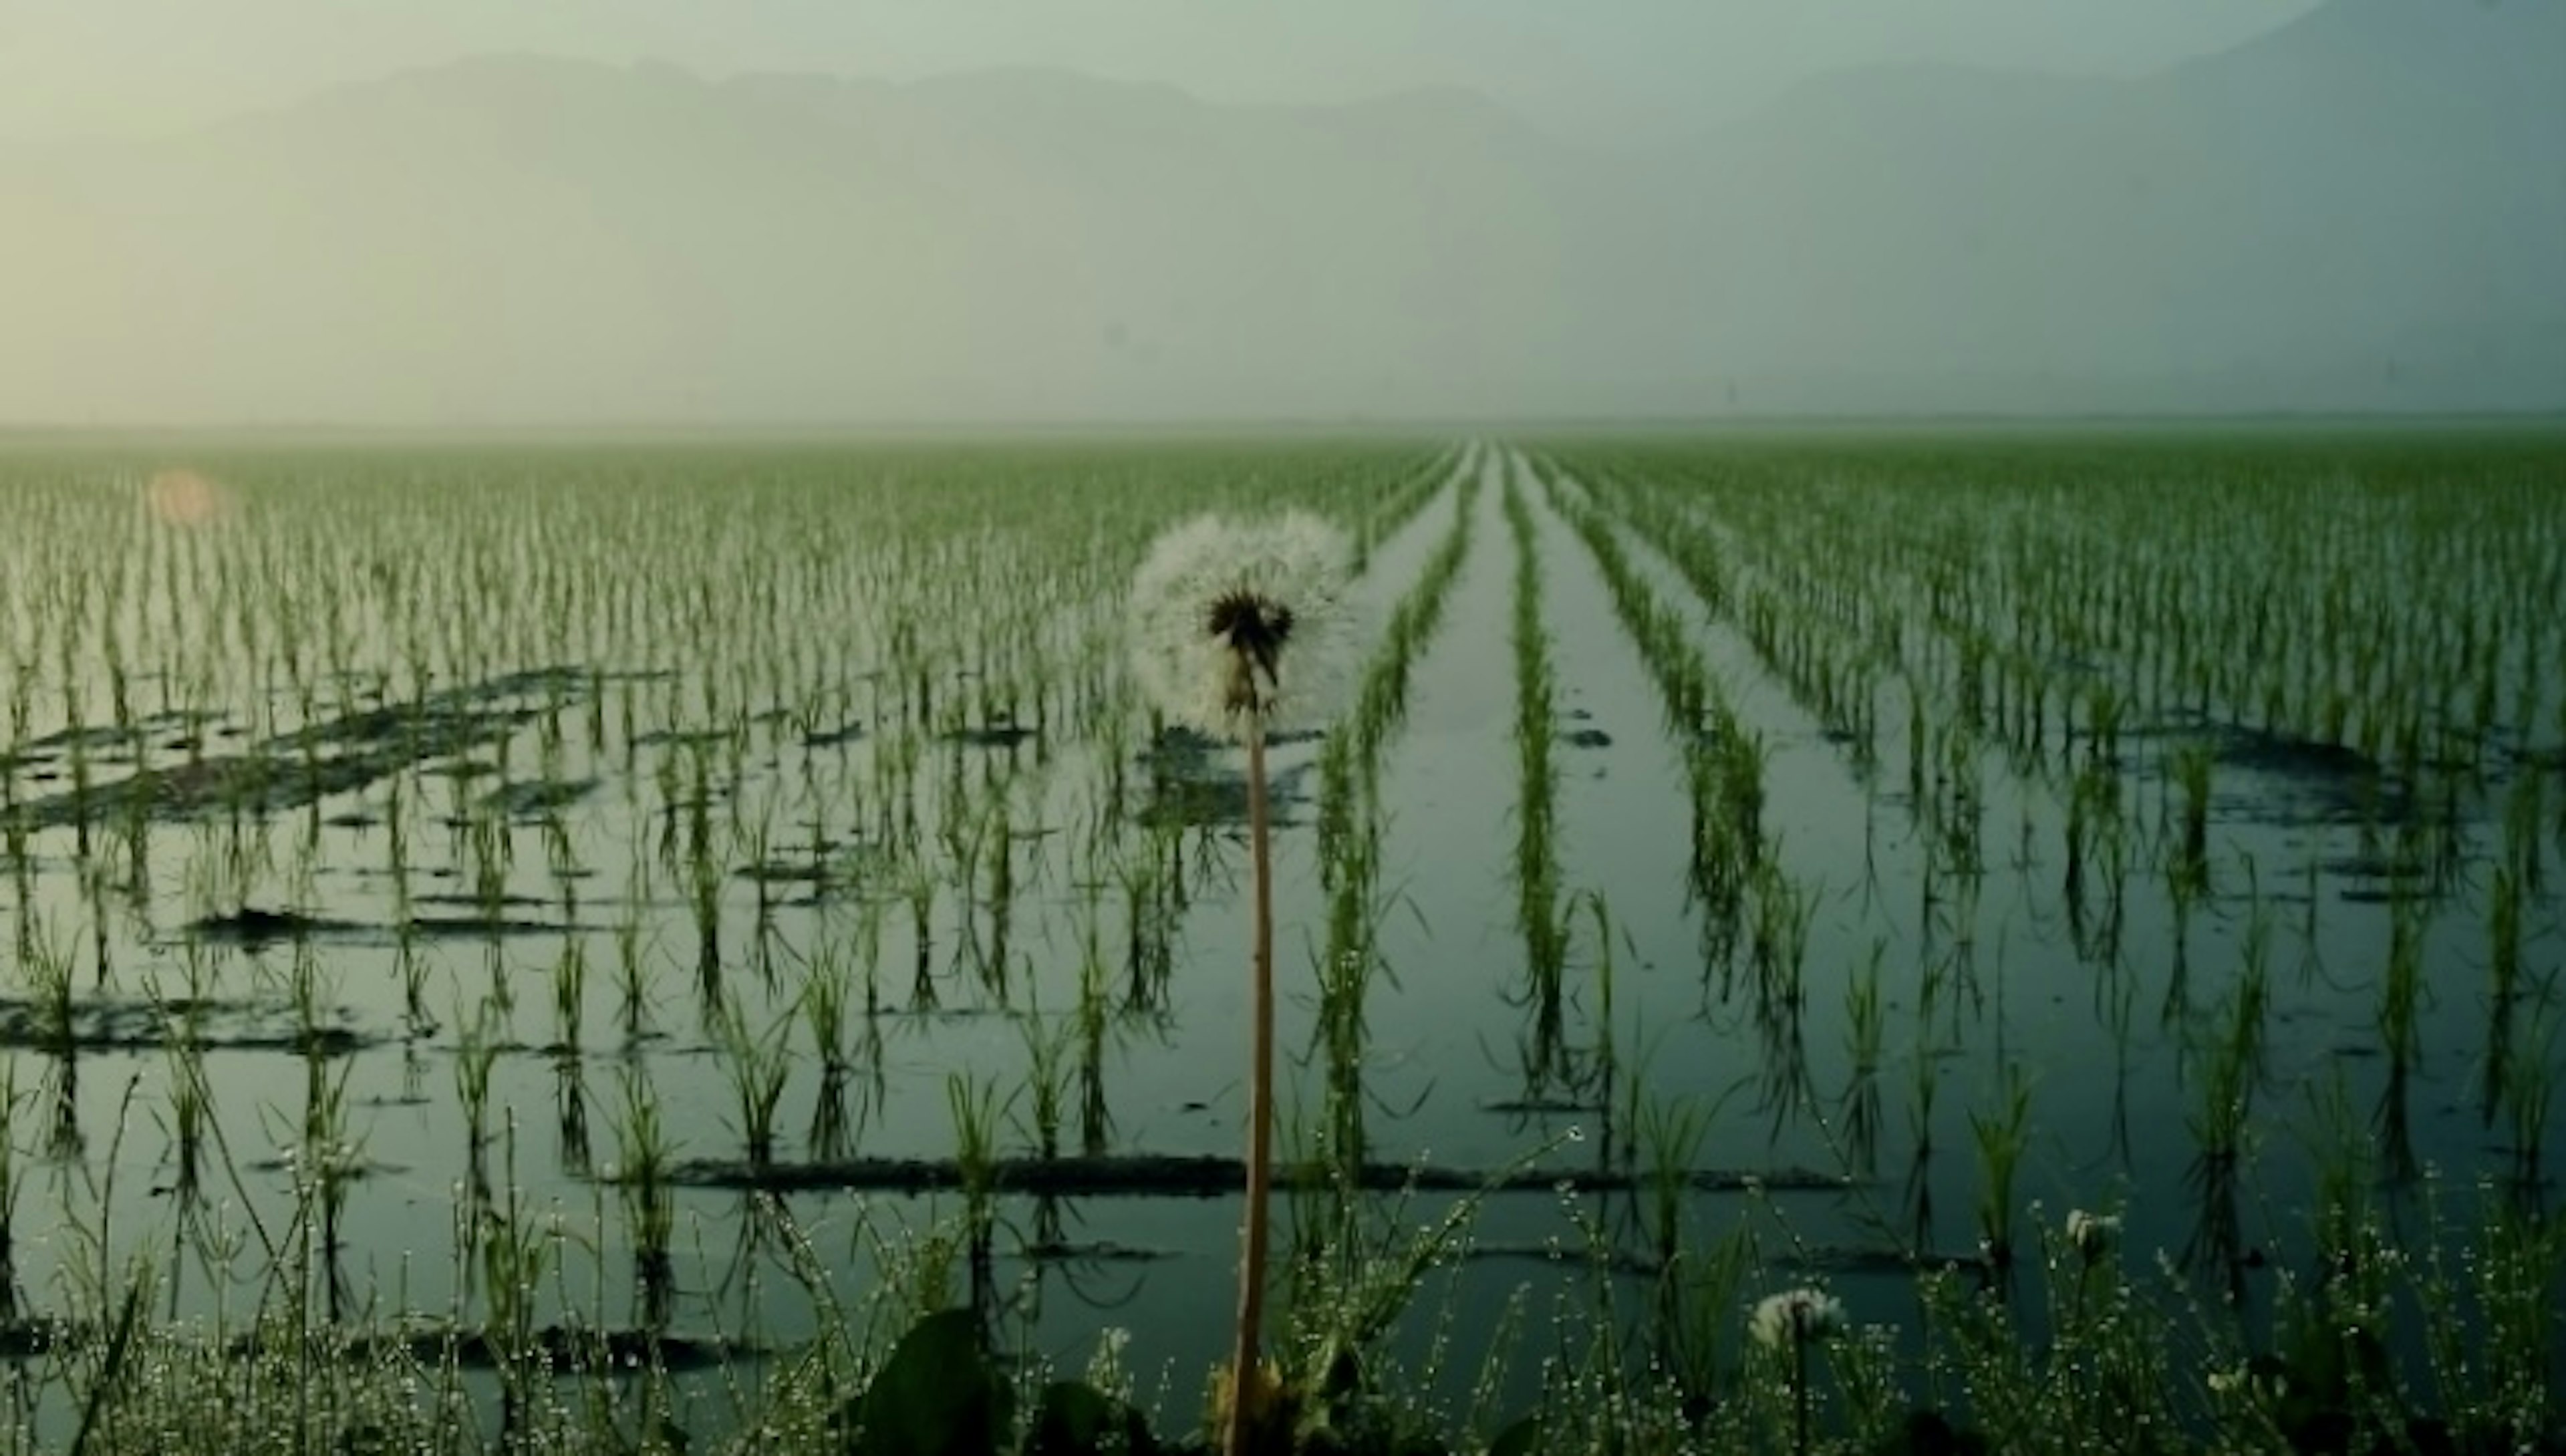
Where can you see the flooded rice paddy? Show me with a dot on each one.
(731, 883)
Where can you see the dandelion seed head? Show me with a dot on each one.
(2091, 1235)
(1237, 622)
(1795, 1317)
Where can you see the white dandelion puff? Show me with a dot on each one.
(2091, 1235)
(1240, 623)
(1795, 1317)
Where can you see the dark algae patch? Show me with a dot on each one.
(127, 1023)
(339, 755)
(252, 928)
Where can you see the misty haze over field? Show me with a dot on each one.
(2363, 209)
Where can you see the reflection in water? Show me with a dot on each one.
(191, 1104)
(1154, 917)
(762, 1231)
(1866, 1027)
(570, 1115)
(1920, 1157)
(643, 1159)
(1095, 1119)
(325, 1164)
(2176, 1011)
(2216, 1246)
(2495, 1082)
(2393, 1122)
(9, 1192)
(2118, 993)
(654, 1275)
(2001, 1139)
(2400, 1006)
(828, 1137)
(1783, 1083)
(64, 1140)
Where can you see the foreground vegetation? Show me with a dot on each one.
(2351, 1345)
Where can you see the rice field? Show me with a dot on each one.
(635, 924)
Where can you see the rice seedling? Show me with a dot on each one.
(2192, 766)
(2526, 1095)
(2232, 1068)
(2001, 1139)
(631, 980)
(976, 1110)
(645, 1158)
(476, 1053)
(756, 1065)
(1047, 1078)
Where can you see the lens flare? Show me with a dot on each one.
(183, 497)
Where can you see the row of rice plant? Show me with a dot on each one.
(1934, 585)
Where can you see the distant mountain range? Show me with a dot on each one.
(2362, 210)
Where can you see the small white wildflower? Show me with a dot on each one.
(1104, 1366)
(2091, 1235)
(1794, 1316)
(1240, 623)
(2249, 1379)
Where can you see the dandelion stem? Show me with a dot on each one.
(1260, 1113)
(1799, 1390)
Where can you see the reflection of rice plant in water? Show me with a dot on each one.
(1538, 914)
(2192, 766)
(2001, 1137)
(976, 1108)
(476, 1053)
(643, 1157)
(9, 1192)
(1865, 1026)
(1235, 628)
(756, 1065)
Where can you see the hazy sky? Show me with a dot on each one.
(1602, 68)
(2364, 212)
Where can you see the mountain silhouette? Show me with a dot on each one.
(2360, 210)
